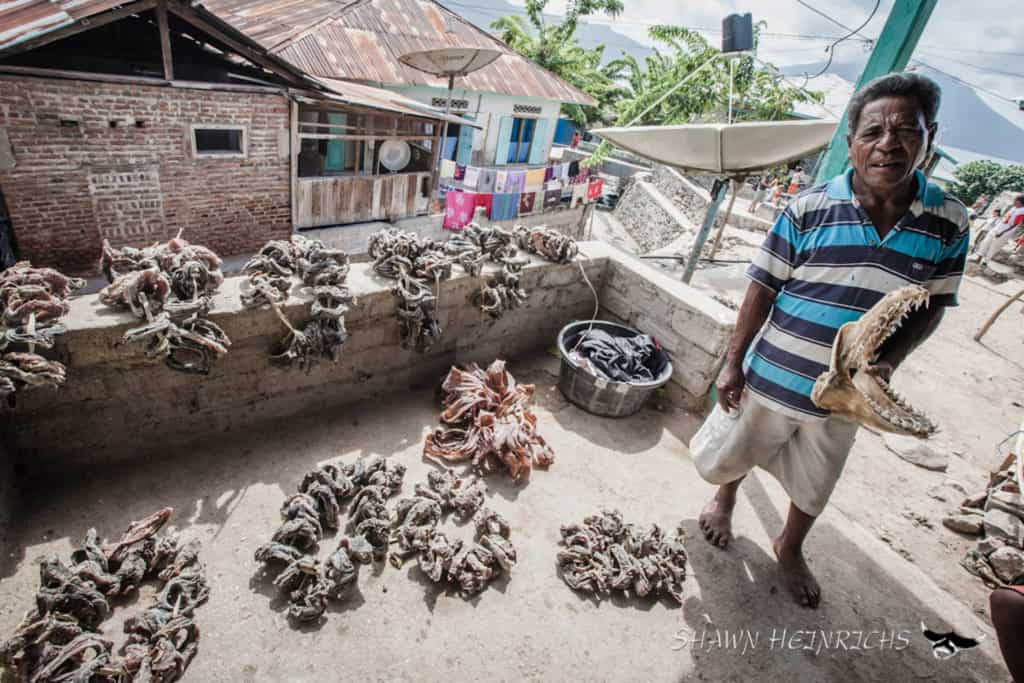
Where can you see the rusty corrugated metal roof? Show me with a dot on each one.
(22, 20)
(378, 98)
(361, 40)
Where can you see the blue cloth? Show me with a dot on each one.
(505, 206)
(826, 264)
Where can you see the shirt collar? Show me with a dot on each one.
(929, 194)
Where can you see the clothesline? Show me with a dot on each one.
(475, 178)
(461, 205)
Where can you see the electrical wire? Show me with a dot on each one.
(835, 21)
(831, 48)
(984, 69)
(966, 83)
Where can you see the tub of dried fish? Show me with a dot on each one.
(591, 389)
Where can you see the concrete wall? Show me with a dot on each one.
(102, 160)
(693, 199)
(651, 219)
(488, 108)
(118, 404)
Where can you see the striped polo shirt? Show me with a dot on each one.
(827, 265)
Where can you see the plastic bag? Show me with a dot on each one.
(707, 443)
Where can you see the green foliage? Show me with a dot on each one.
(759, 91)
(554, 47)
(985, 176)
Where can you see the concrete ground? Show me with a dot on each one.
(396, 626)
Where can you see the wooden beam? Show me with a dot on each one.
(81, 25)
(78, 75)
(254, 55)
(165, 39)
(293, 160)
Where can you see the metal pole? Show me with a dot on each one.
(736, 183)
(671, 90)
(444, 136)
(717, 195)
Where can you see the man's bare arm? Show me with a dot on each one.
(757, 304)
(918, 326)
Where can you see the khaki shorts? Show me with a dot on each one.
(806, 456)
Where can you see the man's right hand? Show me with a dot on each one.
(730, 386)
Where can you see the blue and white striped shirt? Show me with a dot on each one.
(827, 265)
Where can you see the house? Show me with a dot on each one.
(515, 101)
(132, 120)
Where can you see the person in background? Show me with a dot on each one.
(795, 181)
(1011, 226)
(575, 140)
(759, 194)
(980, 203)
(995, 219)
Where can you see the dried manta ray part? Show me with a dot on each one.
(59, 639)
(309, 583)
(170, 286)
(486, 414)
(501, 293)
(604, 554)
(320, 269)
(470, 566)
(862, 397)
(32, 302)
(543, 241)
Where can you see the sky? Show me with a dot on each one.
(978, 41)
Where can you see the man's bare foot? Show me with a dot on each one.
(716, 518)
(797, 574)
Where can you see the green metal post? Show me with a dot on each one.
(892, 51)
(717, 195)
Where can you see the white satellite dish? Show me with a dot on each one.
(450, 61)
(395, 155)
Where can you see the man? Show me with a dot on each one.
(795, 181)
(994, 220)
(1010, 226)
(834, 252)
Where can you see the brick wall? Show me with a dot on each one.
(120, 166)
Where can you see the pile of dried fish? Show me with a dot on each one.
(309, 583)
(996, 516)
(60, 641)
(471, 566)
(486, 413)
(32, 302)
(171, 287)
(546, 242)
(604, 554)
(323, 271)
(417, 266)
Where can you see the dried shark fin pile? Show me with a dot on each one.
(864, 397)
(60, 641)
(470, 566)
(170, 286)
(32, 302)
(486, 413)
(543, 241)
(417, 266)
(323, 271)
(604, 554)
(309, 583)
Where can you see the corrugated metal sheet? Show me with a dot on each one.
(22, 20)
(378, 98)
(362, 40)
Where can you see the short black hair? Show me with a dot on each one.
(1020, 198)
(925, 90)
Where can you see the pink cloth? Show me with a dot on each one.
(458, 209)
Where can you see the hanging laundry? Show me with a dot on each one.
(485, 199)
(526, 201)
(447, 168)
(500, 180)
(552, 198)
(549, 173)
(538, 201)
(458, 209)
(582, 177)
(460, 171)
(534, 178)
(516, 181)
(472, 179)
(486, 183)
(505, 206)
(574, 169)
(579, 195)
(594, 189)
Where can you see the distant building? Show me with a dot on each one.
(515, 101)
(129, 121)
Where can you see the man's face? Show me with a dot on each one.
(890, 141)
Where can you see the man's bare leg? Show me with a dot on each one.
(716, 518)
(788, 549)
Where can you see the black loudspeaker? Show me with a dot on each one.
(737, 33)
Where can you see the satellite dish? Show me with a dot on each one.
(395, 155)
(450, 61)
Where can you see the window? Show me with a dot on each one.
(218, 141)
(451, 142)
(520, 141)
